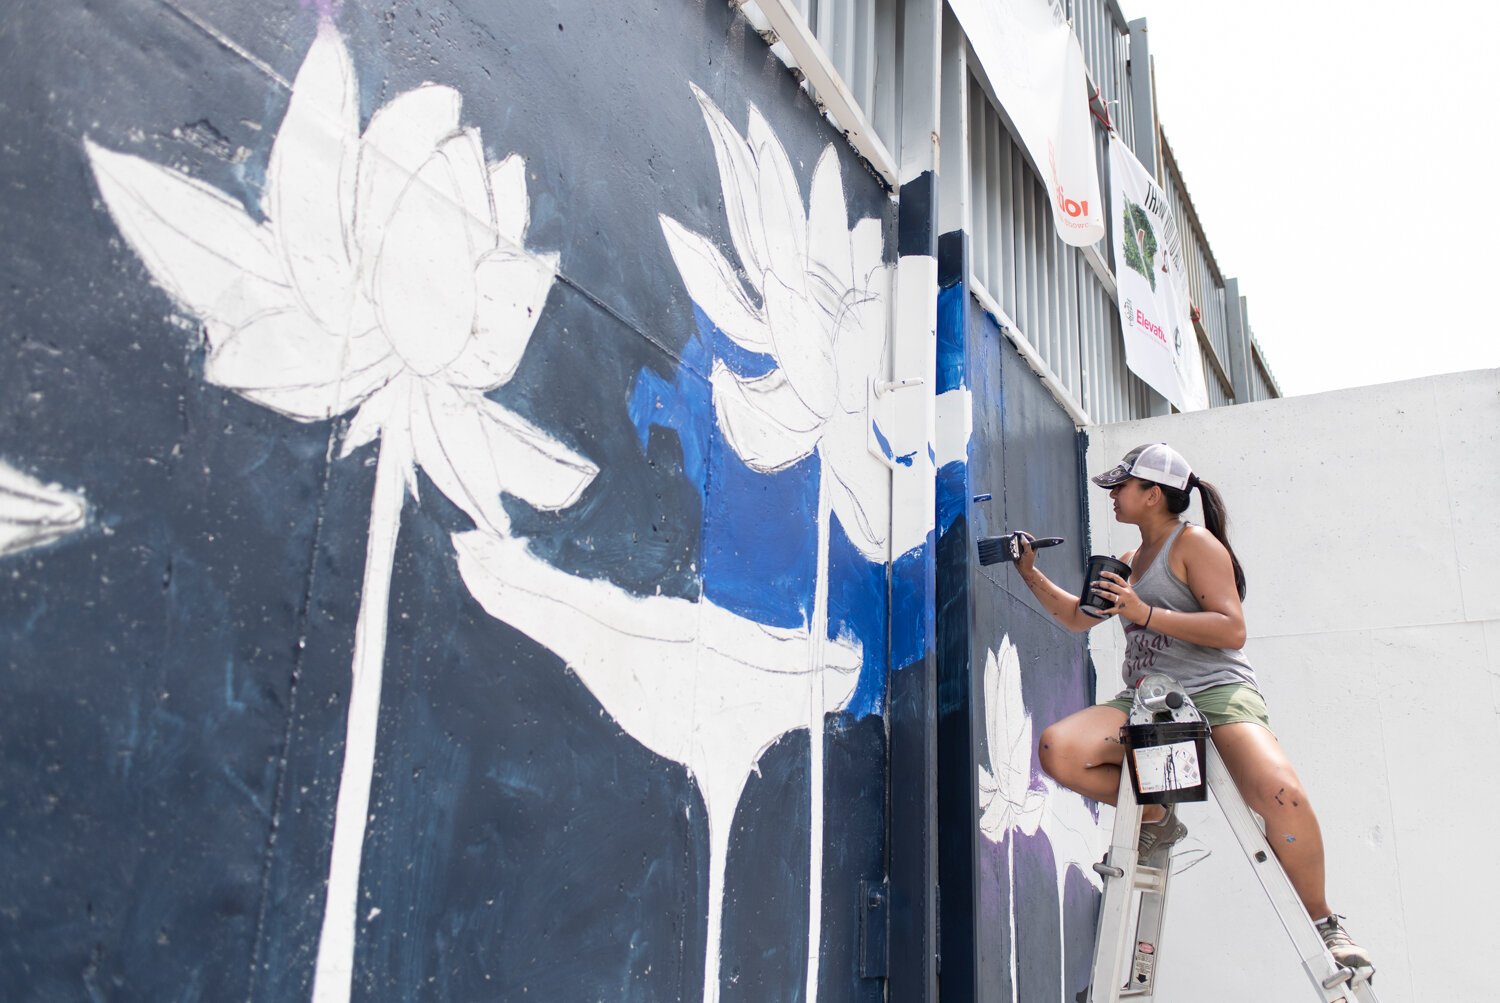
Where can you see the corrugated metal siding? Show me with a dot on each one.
(1106, 47)
(1205, 282)
(1262, 383)
(859, 37)
(1056, 300)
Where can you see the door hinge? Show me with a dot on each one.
(874, 929)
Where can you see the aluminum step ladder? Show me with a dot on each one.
(1125, 966)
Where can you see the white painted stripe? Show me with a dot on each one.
(955, 425)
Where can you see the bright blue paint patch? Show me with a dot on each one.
(885, 444)
(931, 456)
(760, 538)
(905, 459)
(952, 493)
(950, 338)
(684, 405)
(911, 622)
(857, 608)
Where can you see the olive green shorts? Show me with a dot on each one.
(1232, 703)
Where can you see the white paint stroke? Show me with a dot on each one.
(820, 309)
(390, 275)
(955, 425)
(689, 680)
(33, 514)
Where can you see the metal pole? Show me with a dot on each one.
(913, 688)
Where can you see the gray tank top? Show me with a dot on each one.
(1194, 666)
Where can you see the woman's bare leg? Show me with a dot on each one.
(1269, 785)
(1083, 752)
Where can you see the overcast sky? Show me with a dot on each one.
(1343, 157)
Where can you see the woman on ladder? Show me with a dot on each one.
(1182, 616)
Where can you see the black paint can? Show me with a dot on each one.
(1089, 603)
(1167, 763)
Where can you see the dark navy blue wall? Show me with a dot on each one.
(176, 674)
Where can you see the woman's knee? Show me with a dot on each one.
(1051, 750)
(1276, 792)
(1065, 752)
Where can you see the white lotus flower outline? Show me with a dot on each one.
(390, 274)
(1010, 803)
(820, 312)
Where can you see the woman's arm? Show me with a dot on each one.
(1210, 576)
(1061, 604)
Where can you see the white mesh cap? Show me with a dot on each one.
(1155, 461)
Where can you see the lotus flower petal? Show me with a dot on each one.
(781, 211)
(689, 680)
(511, 203)
(310, 179)
(199, 246)
(375, 415)
(284, 360)
(803, 345)
(424, 272)
(866, 251)
(713, 285)
(511, 288)
(469, 178)
(475, 449)
(763, 419)
(828, 260)
(859, 346)
(739, 179)
(400, 139)
(859, 484)
(33, 514)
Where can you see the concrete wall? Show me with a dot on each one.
(1366, 523)
(444, 555)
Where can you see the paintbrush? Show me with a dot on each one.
(997, 549)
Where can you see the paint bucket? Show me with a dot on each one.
(1089, 603)
(1167, 761)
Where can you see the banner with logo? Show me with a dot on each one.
(1161, 346)
(1032, 59)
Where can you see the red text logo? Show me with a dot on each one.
(1143, 321)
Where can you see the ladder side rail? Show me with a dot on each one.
(1327, 976)
(1110, 947)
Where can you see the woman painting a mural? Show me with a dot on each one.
(1182, 616)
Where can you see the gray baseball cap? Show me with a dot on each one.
(1155, 461)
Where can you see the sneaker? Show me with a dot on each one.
(1157, 837)
(1344, 950)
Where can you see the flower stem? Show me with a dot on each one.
(335, 965)
(817, 641)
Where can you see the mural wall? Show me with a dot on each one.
(1020, 897)
(444, 506)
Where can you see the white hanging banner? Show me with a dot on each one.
(1161, 345)
(1031, 57)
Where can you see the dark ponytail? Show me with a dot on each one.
(1215, 518)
